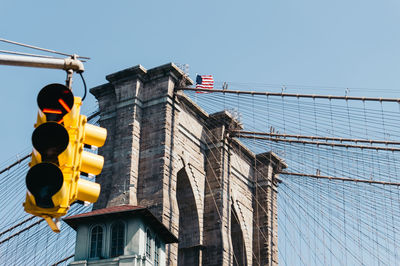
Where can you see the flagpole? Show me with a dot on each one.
(195, 97)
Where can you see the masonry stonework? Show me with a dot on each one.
(165, 153)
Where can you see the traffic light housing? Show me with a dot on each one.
(61, 132)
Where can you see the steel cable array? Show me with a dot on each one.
(320, 221)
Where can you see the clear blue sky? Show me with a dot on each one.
(338, 43)
(310, 43)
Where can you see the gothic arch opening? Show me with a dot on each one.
(188, 247)
(239, 248)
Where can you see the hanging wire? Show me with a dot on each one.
(84, 85)
(39, 48)
(27, 54)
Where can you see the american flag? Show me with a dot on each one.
(204, 82)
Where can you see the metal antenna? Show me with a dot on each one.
(185, 69)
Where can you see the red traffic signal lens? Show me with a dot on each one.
(55, 101)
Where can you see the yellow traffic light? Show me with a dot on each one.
(53, 181)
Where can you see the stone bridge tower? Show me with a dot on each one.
(165, 153)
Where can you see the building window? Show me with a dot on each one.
(96, 241)
(117, 239)
(148, 243)
(157, 253)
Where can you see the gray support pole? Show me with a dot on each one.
(53, 63)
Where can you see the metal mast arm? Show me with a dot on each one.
(53, 63)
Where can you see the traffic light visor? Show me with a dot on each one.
(95, 135)
(55, 101)
(91, 163)
(88, 191)
(43, 181)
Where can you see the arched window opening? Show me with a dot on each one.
(157, 252)
(117, 239)
(189, 232)
(239, 249)
(96, 242)
(148, 243)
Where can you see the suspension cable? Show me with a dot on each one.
(15, 163)
(15, 226)
(63, 260)
(277, 135)
(312, 96)
(21, 231)
(318, 143)
(343, 179)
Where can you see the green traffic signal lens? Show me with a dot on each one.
(43, 181)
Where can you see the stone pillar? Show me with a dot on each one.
(137, 108)
(265, 225)
(217, 209)
(152, 136)
(157, 180)
(120, 113)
